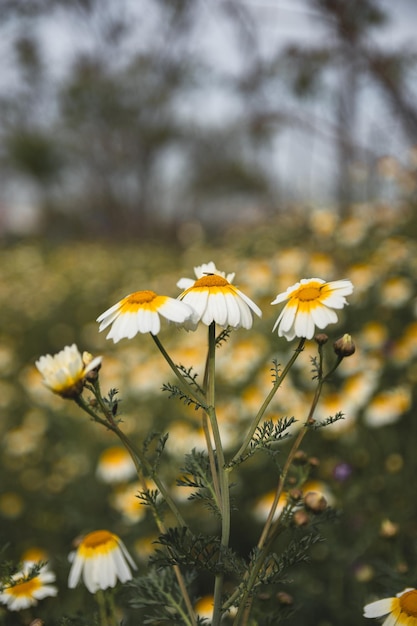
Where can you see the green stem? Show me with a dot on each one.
(101, 601)
(266, 403)
(141, 463)
(222, 473)
(197, 396)
(272, 529)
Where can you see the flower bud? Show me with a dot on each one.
(315, 502)
(300, 518)
(321, 339)
(284, 598)
(344, 346)
(295, 495)
(300, 457)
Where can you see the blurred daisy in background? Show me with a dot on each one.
(115, 465)
(101, 559)
(215, 299)
(310, 303)
(400, 610)
(65, 372)
(140, 312)
(25, 589)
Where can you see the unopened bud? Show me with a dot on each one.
(321, 339)
(315, 502)
(284, 598)
(300, 457)
(295, 494)
(344, 346)
(313, 461)
(300, 518)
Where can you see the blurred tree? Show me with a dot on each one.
(124, 137)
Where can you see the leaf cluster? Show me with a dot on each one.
(158, 593)
(274, 569)
(197, 475)
(198, 552)
(175, 392)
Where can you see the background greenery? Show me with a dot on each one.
(50, 297)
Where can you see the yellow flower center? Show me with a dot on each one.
(97, 539)
(211, 280)
(141, 297)
(26, 588)
(114, 455)
(308, 293)
(408, 603)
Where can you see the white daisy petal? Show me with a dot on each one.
(379, 608)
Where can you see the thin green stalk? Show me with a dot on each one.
(272, 529)
(222, 473)
(279, 380)
(140, 463)
(101, 601)
(198, 397)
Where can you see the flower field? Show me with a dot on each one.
(63, 475)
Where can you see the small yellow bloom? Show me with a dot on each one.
(400, 610)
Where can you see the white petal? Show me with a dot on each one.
(322, 316)
(75, 572)
(379, 608)
(176, 311)
(304, 325)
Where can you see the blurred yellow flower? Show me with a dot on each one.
(25, 591)
(115, 465)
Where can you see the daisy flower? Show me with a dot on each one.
(115, 465)
(400, 610)
(65, 372)
(101, 558)
(25, 591)
(215, 299)
(310, 303)
(140, 312)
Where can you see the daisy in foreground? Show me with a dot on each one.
(400, 610)
(102, 559)
(65, 372)
(140, 312)
(26, 590)
(310, 303)
(215, 299)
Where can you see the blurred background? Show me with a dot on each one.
(141, 138)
